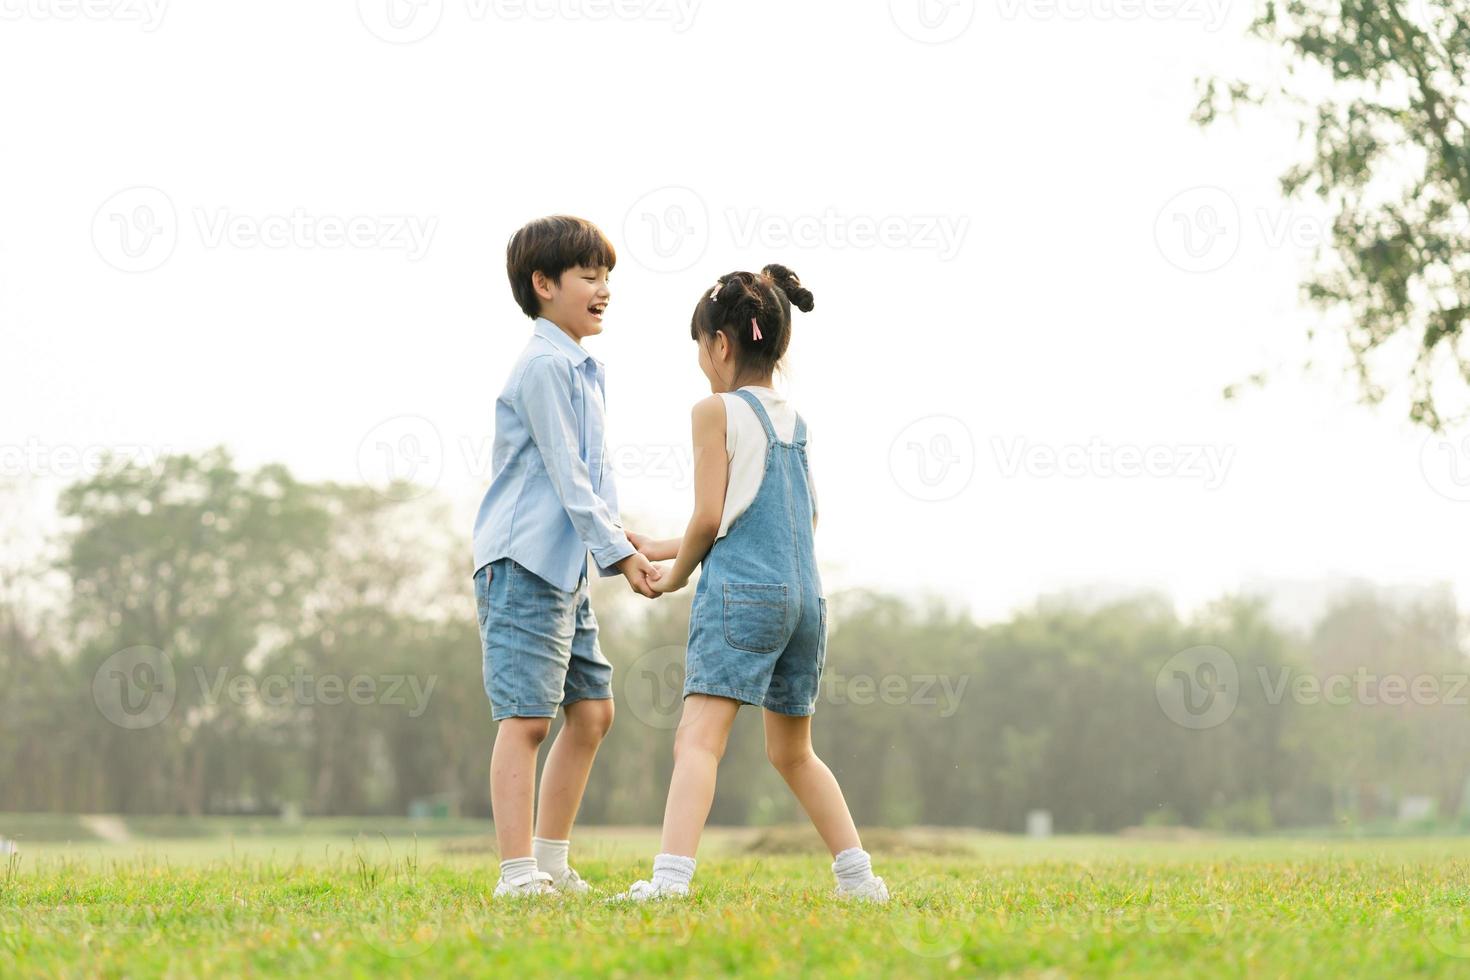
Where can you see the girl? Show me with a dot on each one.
(758, 625)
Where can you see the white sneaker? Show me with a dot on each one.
(872, 890)
(570, 882)
(643, 891)
(538, 884)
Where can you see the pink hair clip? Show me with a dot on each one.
(755, 329)
(714, 294)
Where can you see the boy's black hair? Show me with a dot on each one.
(551, 246)
(767, 298)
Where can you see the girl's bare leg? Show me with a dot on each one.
(789, 747)
(704, 728)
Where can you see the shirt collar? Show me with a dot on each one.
(557, 338)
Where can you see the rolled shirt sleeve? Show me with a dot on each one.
(544, 403)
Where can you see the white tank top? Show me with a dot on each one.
(745, 445)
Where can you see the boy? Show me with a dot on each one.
(551, 501)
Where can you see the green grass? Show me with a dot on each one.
(379, 907)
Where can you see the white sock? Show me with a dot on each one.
(671, 869)
(853, 868)
(551, 856)
(518, 871)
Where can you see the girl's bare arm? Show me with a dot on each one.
(711, 472)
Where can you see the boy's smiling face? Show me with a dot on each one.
(575, 301)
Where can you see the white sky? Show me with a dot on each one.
(1056, 306)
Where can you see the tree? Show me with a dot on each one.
(196, 561)
(1381, 87)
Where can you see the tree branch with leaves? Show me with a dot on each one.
(1381, 94)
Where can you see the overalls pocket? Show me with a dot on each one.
(755, 616)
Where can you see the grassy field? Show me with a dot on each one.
(256, 901)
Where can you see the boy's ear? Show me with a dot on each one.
(542, 283)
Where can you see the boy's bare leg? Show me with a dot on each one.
(789, 747)
(568, 764)
(704, 729)
(513, 782)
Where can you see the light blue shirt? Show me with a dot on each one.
(551, 497)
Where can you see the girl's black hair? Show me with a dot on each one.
(736, 298)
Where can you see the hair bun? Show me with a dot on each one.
(786, 281)
(744, 303)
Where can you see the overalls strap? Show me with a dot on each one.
(760, 413)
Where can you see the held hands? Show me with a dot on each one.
(668, 583)
(642, 574)
(654, 581)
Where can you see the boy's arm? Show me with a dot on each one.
(545, 404)
(711, 474)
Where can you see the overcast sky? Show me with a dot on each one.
(280, 226)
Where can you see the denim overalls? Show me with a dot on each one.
(758, 627)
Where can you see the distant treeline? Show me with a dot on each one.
(227, 641)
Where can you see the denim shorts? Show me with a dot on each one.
(539, 643)
(761, 644)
